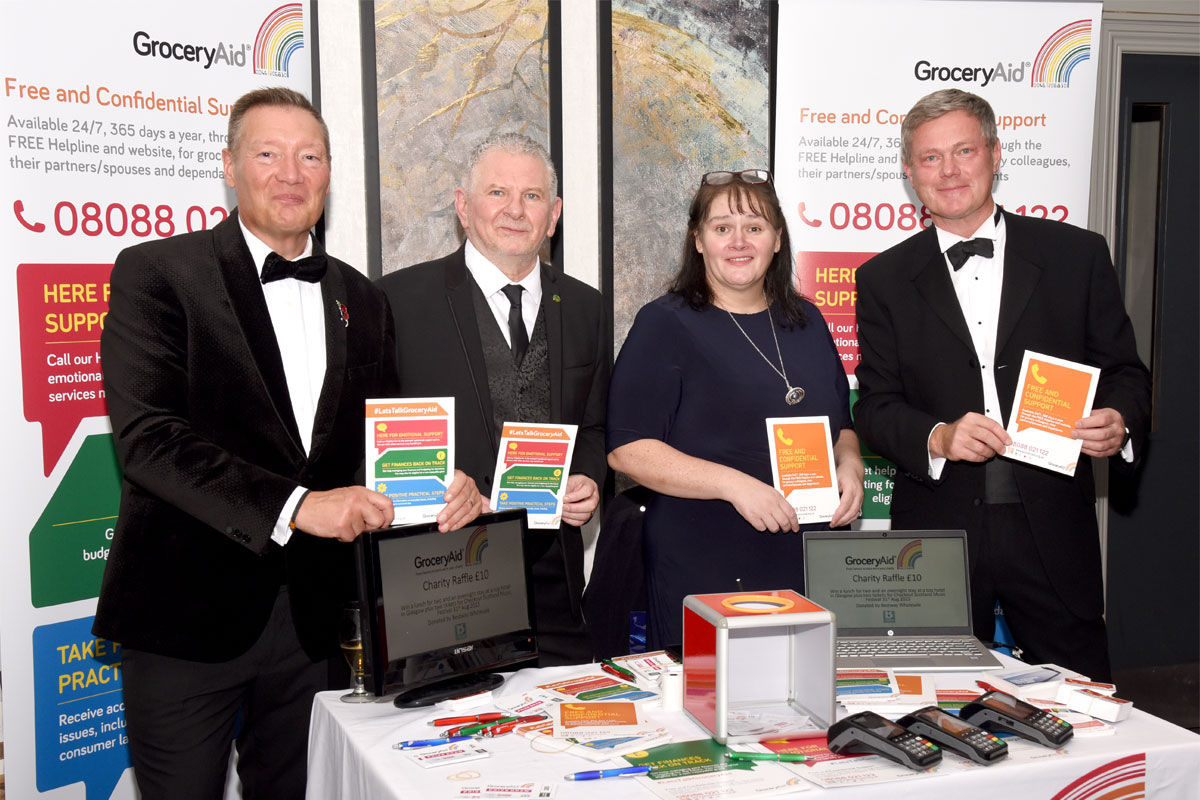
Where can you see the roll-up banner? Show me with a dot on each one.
(114, 121)
(848, 72)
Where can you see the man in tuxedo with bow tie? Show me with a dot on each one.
(236, 381)
(944, 321)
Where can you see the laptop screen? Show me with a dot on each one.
(880, 582)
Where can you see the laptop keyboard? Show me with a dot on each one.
(853, 648)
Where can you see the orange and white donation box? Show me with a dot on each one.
(758, 665)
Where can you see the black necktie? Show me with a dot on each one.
(959, 253)
(516, 325)
(310, 269)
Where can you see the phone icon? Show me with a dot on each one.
(19, 210)
(1034, 369)
(782, 438)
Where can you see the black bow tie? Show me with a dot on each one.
(310, 269)
(959, 253)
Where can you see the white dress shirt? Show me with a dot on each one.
(298, 317)
(491, 282)
(977, 285)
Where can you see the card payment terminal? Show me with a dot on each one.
(998, 711)
(867, 732)
(953, 734)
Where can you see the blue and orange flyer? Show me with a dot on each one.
(1053, 394)
(410, 454)
(531, 470)
(802, 466)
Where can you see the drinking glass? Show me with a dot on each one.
(350, 637)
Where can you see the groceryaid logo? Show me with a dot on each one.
(1067, 48)
(909, 555)
(279, 37)
(148, 45)
(476, 545)
(957, 73)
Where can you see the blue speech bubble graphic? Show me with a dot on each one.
(79, 709)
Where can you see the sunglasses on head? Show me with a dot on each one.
(722, 177)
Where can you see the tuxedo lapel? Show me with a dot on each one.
(552, 309)
(459, 286)
(239, 276)
(337, 326)
(933, 283)
(1021, 277)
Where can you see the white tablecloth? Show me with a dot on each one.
(351, 758)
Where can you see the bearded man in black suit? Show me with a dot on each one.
(513, 339)
(237, 407)
(944, 320)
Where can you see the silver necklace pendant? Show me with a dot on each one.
(794, 395)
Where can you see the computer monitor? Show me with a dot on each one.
(442, 609)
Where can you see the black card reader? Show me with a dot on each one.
(955, 735)
(867, 732)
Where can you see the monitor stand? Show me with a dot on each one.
(459, 686)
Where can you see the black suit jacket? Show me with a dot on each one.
(440, 353)
(208, 443)
(1060, 297)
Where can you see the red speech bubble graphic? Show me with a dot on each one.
(390, 433)
(536, 453)
(828, 280)
(62, 310)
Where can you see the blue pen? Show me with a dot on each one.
(592, 775)
(415, 743)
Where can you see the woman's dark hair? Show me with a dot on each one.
(691, 282)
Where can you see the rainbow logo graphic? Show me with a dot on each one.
(279, 37)
(476, 545)
(1067, 48)
(909, 555)
(1123, 779)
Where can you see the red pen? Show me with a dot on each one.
(466, 719)
(506, 727)
(614, 672)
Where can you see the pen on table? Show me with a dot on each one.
(468, 730)
(467, 719)
(794, 757)
(501, 728)
(611, 667)
(415, 743)
(623, 772)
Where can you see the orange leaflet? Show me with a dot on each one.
(802, 456)
(1053, 397)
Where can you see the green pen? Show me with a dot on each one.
(471, 730)
(794, 757)
(629, 676)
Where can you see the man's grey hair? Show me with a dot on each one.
(515, 144)
(940, 103)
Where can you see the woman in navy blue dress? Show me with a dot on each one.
(730, 345)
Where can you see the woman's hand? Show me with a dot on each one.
(847, 457)
(762, 506)
(658, 466)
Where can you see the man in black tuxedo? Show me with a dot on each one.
(237, 407)
(944, 320)
(513, 340)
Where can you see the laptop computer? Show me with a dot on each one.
(901, 598)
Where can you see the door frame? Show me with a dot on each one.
(1123, 32)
